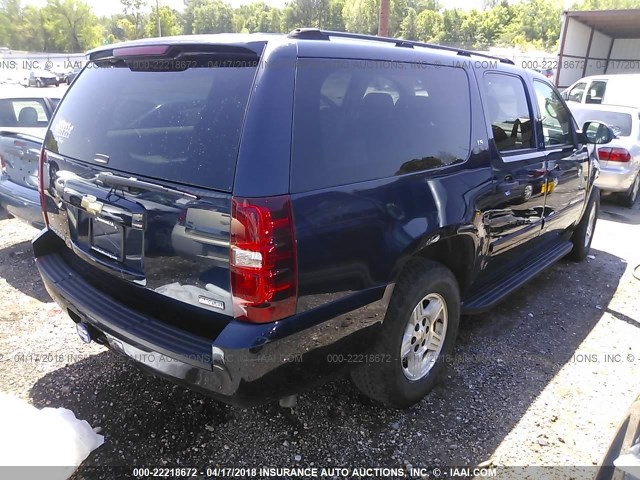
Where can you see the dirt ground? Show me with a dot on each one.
(543, 379)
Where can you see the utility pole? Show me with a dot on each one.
(158, 16)
(383, 19)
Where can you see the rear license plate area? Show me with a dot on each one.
(106, 238)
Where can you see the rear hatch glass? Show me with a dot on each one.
(139, 168)
(157, 120)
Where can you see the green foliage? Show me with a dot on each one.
(213, 16)
(70, 25)
(134, 11)
(535, 23)
(335, 21)
(361, 16)
(169, 23)
(605, 4)
(256, 17)
(306, 13)
(409, 26)
(429, 26)
(59, 26)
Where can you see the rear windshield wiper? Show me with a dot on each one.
(118, 181)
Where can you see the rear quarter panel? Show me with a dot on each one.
(356, 237)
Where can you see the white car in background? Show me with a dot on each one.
(620, 89)
(620, 159)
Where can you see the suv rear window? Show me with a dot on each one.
(620, 122)
(23, 112)
(359, 120)
(183, 126)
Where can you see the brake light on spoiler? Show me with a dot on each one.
(263, 263)
(140, 51)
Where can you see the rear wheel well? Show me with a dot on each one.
(457, 254)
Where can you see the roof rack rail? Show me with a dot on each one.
(318, 34)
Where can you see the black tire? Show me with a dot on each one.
(629, 198)
(38, 83)
(385, 381)
(582, 237)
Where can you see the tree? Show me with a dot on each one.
(334, 19)
(469, 30)
(605, 4)
(72, 25)
(429, 26)
(398, 12)
(34, 31)
(306, 13)
(535, 23)
(10, 12)
(69, 25)
(275, 20)
(134, 10)
(361, 16)
(256, 17)
(213, 16)
(494, 22)
(189, 14)
(409, 27)
(451, 27)
(127, 29)
(169, 23)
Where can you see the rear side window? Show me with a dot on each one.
(596, 91)
(509, 112)
(575, 94)
(177, 125)
(23, 112)
(357, 120)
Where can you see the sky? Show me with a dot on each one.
(109, 7)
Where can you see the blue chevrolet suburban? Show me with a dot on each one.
(249, 215)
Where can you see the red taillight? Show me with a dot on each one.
(612, 154)
(264, 277)
(182, 218)
(43, 200)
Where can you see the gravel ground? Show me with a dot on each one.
(543, 379)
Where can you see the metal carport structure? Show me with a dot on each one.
(598, 42)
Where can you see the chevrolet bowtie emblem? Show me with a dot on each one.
(91, 204)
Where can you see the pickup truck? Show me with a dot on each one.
(24, 117)
(19, 154)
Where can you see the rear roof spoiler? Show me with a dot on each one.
(165, 48)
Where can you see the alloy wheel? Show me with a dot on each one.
(424, 336)
(590, 225)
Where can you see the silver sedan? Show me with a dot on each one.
(620, 159)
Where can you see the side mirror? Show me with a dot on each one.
(597, 133)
